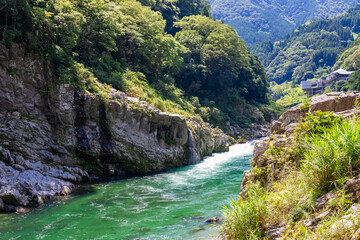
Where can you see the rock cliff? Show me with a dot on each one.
(54, 135)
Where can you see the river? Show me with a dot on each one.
(169, 205)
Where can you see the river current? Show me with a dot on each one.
(169, 205)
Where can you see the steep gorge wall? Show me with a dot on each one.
(52, 136)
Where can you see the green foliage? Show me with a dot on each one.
(246, 219)
(15, 18)
(350, 58)
(353, 84)
(327, 150)
(287, 94)
(317, 123)
(206, 70)
(174, 10)
(311, 50)
(332, 157)
(256, 21)
(218, 68)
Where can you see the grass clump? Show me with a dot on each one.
(332, 157)
(246, 218)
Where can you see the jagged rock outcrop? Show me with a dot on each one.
(54, 135)
(266, 168)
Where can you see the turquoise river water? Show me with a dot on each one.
(169, 205)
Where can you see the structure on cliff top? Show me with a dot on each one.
(317, 87)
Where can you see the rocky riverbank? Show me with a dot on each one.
(274, 158)
(53, 136)
(282, 132)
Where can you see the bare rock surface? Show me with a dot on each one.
(277, 127)
(334, 102)
(275, 233)
(352, 187)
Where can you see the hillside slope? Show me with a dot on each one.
(311, 50)
(256, 21)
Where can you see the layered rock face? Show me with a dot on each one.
(52, 136)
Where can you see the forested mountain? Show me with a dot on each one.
(311, 50)
(259, 20)
(168, 53)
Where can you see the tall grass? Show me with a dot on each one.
(246, 218)
(332, 157)
(330, 154)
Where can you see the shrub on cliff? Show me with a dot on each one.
(123, 41)
(332, 157)
(246, 218)
(327, 155)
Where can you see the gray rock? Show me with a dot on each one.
(312, 223)
(289, 129)
(132, 136)
(323, 200)
(277, 127)
(213, 220)
(292, 115)
(352, 186)
(2, 205)
(334, 102)
(347, 221)
(260, 148)
(38, 200)
(10, 209)
(245, 180)
(281, 143)
(18, 167)
(22, 210)
(19, 160)
(275, 233)
(324, 103)
(10, 195)
(7, 157)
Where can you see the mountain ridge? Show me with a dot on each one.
(256, 21)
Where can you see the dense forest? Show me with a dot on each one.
(256, 21)
(169, 53)
(312, 51)
(349, 60)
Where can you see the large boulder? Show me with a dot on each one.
(277, 127)
(334, 102)
(352, 186)
(260, 147)
(293, 115)
(324, 103)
